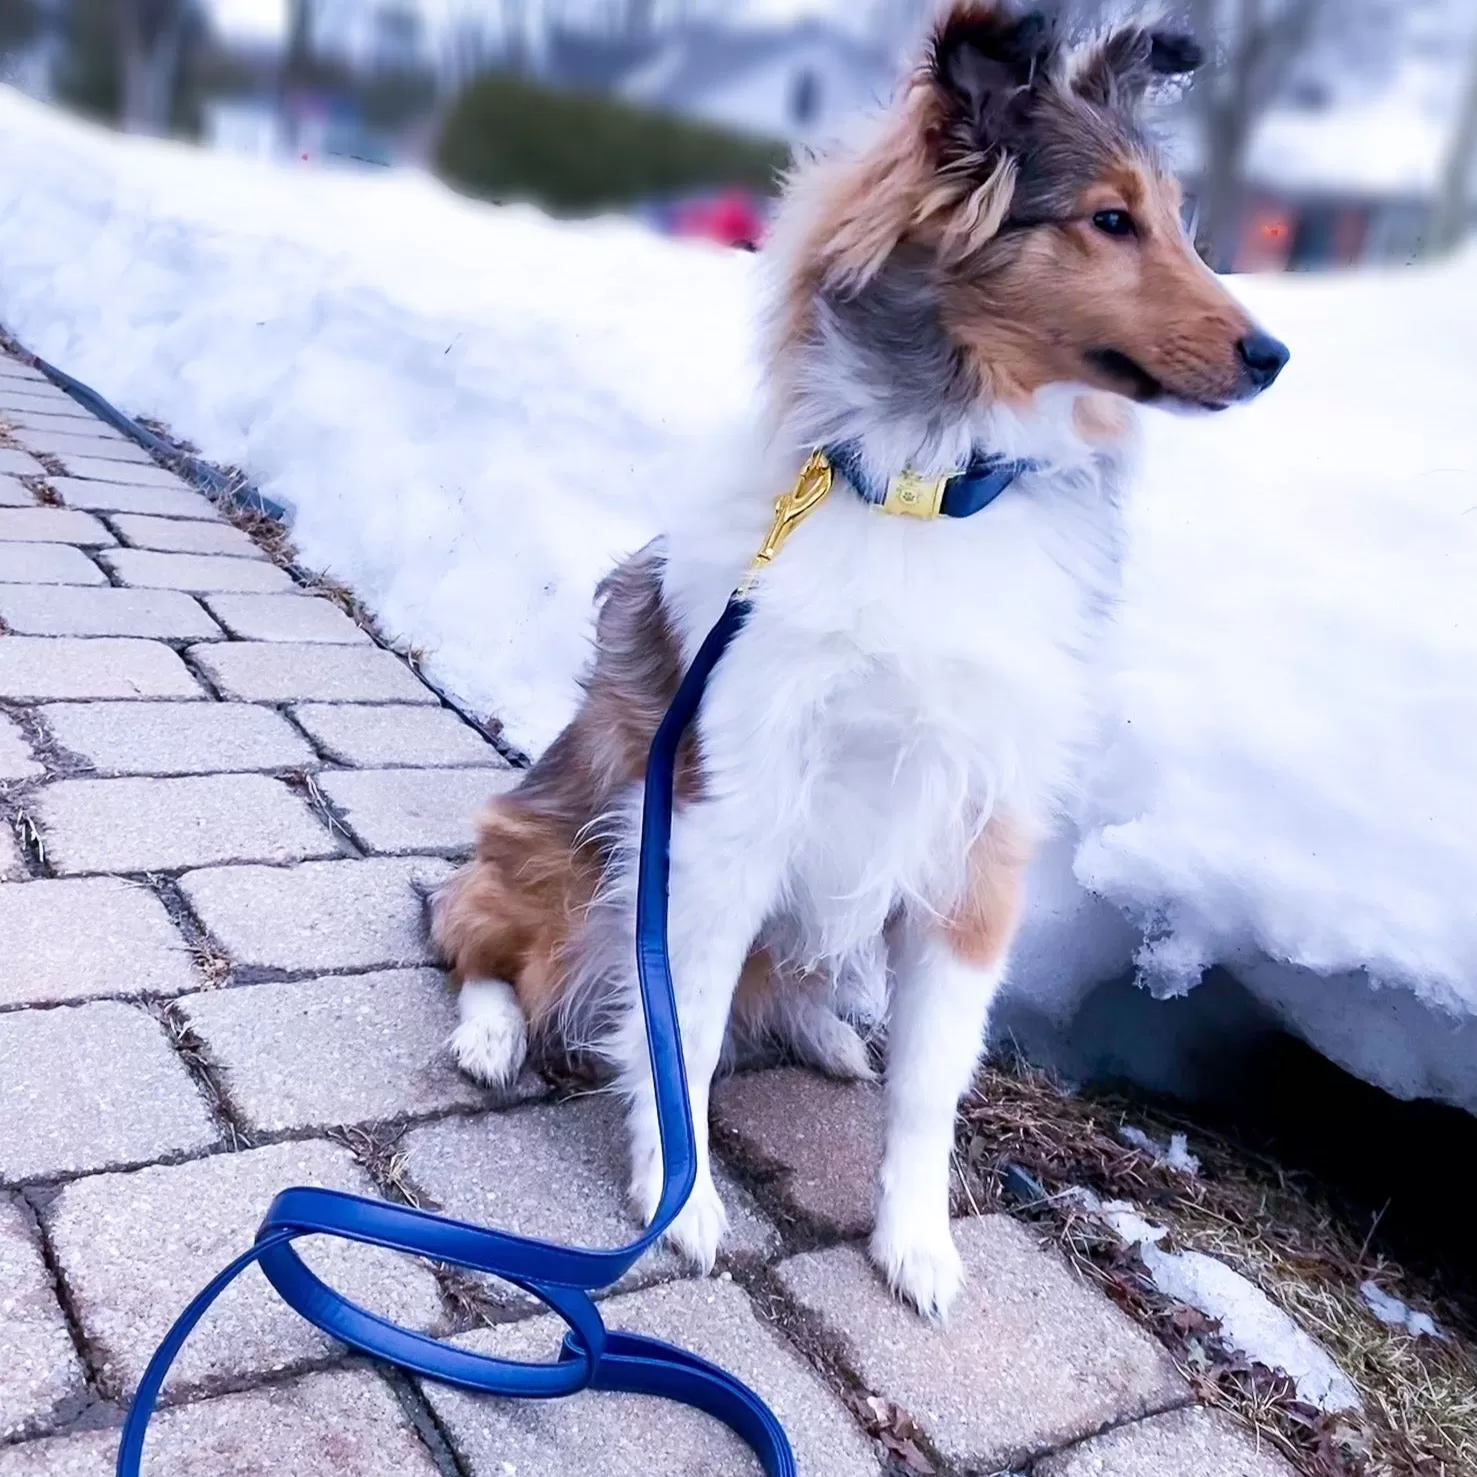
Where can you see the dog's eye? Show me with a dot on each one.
(1115, 223)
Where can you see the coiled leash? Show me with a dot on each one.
(562, 1277)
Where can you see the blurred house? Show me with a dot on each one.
(799, 83)
(1341, 187)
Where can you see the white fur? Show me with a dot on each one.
(898, 684)
(491, 1042)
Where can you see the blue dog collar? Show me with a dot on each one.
(955, 495)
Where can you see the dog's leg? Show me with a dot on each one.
(946, 974)
(782, 1010)
(724, 882)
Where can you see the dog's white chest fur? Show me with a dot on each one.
(899, 683)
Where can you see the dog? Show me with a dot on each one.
(999, 269)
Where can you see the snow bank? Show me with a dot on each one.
(467, 407)
(463, 405)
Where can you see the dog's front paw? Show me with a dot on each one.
(918, 1258)
(701, 1223)
(696, 1233)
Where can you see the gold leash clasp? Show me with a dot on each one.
(809, 492)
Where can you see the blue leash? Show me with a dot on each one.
(562, 1277)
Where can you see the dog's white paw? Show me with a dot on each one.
(491, 1043)
(697, 1232)
(700, 1226)
(918, 1258)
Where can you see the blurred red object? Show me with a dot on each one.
(731, 217)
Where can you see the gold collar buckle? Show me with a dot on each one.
(809, 492)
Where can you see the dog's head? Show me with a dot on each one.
(1012, 228)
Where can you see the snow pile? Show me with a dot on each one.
(469, 408)
(1250, 1322)
(466, 407)
(1393, 1313)
(1175, 1155)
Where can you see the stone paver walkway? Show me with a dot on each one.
(219, 801)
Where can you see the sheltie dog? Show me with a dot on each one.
(1000, 271)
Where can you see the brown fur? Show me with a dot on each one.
(1003, 146)
(1051, 297)
(983, 922)
(509, 913)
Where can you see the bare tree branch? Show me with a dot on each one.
(1453, 206)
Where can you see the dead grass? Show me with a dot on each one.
(305, 782)
(41, 490)
(377, 1148)
(30, 840)
(195, 1055)
(1277, 1229)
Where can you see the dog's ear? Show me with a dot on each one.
(1130, 61)
(988, 62)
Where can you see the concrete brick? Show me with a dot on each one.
(347, 1049)
(41, 1378)
(405, 737)
(47, 564)
(322, 915)
(19, 463)
(177, 738)
(53, 610)
(75, 939)
(407, 811)
(16, 762)
(196, 573)
(129, 474)
(558, 1171)
(288, 672)
(185, 536)
(286, 618)
(14, 369)
(341, 1423)
(1184, 1443)
(47, 416)
(41, 668)
(608, 1435)
(92, 1087)
(85, 441)
(821, 1140)
(1030, 1359)
(112, 497)
(14, 495)
(134, 1248)
(53, 526)
(147, 825)
(32, 396)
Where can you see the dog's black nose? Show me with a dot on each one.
(1264, 357)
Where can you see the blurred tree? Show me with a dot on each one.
(152, 35)
(20, 20)
(469, 40)
(1256, 45)
(88, 73)
(1453, 209)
